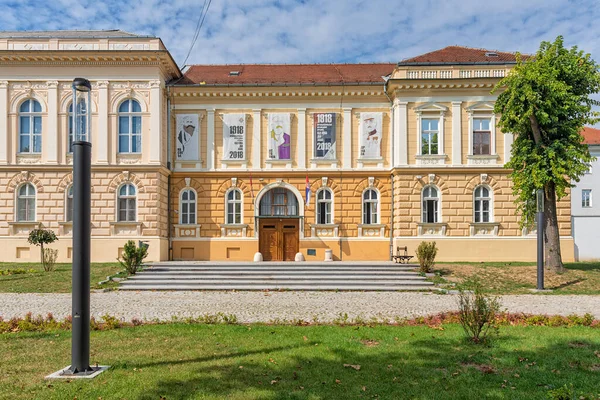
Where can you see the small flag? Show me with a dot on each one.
(307, 191)
(251, 188)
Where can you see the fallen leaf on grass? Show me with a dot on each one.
(364, 388)
(338, 381)
(355, 366)
(305, 338)
(370, 343)
(273, 382)
(597, 353)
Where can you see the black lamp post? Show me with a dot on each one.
(540, 239)
(82, 187)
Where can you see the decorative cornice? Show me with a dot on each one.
(272, 94)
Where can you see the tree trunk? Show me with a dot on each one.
(42, 255)
(553, 258)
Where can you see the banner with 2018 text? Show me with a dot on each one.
(234, 137)
(324, 134)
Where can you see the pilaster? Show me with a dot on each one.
(347, 141)
(100, 138)
(155, 122)
(256, 147)
(50, 137)
(301, 138)
(210, 139)
(456, 133)
(3, 122)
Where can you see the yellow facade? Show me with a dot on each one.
(122, 68)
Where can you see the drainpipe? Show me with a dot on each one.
(386, 80)
(169, 164)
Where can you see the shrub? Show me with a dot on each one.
(133, 257)
(49, 257)
(40, 237)
(426, 253)
(562, 393)
(477, 310)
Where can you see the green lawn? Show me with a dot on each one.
(180, 361)
(57, 281)
(520, 277)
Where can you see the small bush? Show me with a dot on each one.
(49, 257)
(426, 253)
(133, 257)
(40, 237)
(477, 311)
(562, 393)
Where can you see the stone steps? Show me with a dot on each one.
(278, 276)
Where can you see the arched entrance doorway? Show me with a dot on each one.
(279, 225)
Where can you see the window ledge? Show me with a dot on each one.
(482, 159)
(431, 159)
(233, 230)
(22, 228)
(432, 229)
(65, 228)
(187, 230)
(371, 230)
(29, 158)
(126, 228)
(484, 228)
(325, 230)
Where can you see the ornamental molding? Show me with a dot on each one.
(273, 94)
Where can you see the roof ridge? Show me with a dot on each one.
(292, 64)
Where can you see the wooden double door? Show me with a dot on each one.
(279, 238)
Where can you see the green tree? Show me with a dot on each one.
(40, 237)
(545, 101)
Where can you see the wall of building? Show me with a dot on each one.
(586, 220)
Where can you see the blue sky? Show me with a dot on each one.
(307, 31)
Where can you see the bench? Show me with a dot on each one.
(402, 257)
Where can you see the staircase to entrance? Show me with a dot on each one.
(360, 276)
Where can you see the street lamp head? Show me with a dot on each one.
(82, 85)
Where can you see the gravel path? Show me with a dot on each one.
(271, 306)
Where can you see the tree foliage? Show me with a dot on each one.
(40, 237)
(546, 103)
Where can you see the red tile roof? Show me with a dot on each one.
(591, 135)
(287, 74)
(462, 55)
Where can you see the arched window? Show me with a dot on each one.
(126, 203)
(82, 121)
(431, 206)
(187, 208)
(26, 203)
(130, 127)
(279, 202)
(30, 127)
(482, 204)
(324, 201)
(234, 207)
(370, 207)
(69, 204)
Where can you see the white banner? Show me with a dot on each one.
(370, 135)
(279, 141)
(187, 137)
(234, 137)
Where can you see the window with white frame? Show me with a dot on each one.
(126, 203)
(482, 135)
(370, 207)
(30, 127)
(324, 201)
(482, 204)
(187, 207)
(26, 203)
(82, 121)
(431, 202)
(429, 136)
(130, 127)
(234, 207)
(586, 198)
(69, 204)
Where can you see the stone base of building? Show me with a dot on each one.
(16, 249)
(485, 249)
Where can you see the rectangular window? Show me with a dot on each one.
(586, 198)
(481, 136)
(429, 136)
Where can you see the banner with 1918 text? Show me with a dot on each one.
(324, 135)
(234, 137)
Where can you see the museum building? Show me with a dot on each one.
(223, 161)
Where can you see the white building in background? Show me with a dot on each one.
(585, 204)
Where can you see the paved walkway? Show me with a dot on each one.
(272, 306)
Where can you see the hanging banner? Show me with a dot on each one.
(324, 135)
(279, 143)
(370, 135)
(187, 137)
(234, 137)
